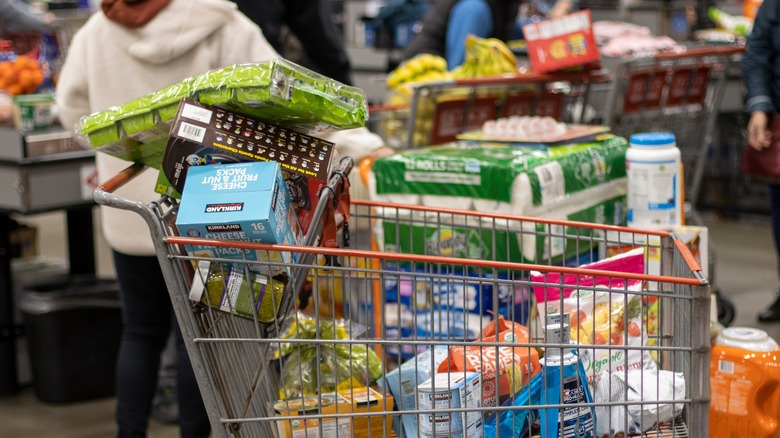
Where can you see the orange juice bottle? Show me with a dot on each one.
(744, 385)
(749, 8)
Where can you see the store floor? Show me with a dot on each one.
(745, 272)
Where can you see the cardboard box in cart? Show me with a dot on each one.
(245, 202)
(561, 42)
(205, 134)
(451, 391)
(325, 404)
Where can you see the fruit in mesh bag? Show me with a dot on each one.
(23, 75)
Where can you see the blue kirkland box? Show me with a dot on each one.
(246, 202)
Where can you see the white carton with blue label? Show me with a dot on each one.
(451, 391)
(403, 381)
(245, 202)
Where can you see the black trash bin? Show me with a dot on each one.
(73, 327)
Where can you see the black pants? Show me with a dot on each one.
(147, 317)
(774, 194)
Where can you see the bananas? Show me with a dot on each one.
(422, 68)
(486, 57)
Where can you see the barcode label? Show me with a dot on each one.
(196, 113)
(551, 182)
(192, 132)
(726, 366)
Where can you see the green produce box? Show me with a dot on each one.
(277, 91)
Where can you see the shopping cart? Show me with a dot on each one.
(437, 112)
(449, 273)
(679, 93)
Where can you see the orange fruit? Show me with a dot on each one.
(25, 79)
(38, 76)
(5, 69)
(15, 90)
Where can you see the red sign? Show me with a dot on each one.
(550, 105)
(448, 120)
(519, 105)
(678, 87)
(698, 89)
(561, 42)
(644, 90)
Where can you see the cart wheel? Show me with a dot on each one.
(726, 310)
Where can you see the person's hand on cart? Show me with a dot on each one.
(759, 135)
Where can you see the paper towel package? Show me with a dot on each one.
(499, 177)
(245, 202)
(584, 182)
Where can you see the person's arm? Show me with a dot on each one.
(757, 73)
(19, 17)
(467, 17)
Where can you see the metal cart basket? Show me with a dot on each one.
(676, 92)
(448, 274)
(437, 112)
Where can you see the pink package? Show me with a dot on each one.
(631, 262)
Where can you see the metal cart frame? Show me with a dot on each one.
(438, 111)
(235, 358)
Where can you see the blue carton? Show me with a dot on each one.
(246, 202)
(403, 381)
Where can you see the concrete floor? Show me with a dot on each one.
(745, 272)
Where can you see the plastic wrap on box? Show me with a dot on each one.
(276, 91)
(499, 177)
(584, 182)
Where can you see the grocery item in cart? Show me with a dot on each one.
(604, 312)
(565, 384)
(206, 134)
(655, 192)
(311, 368)
(369, 400)
(403, 381)
(533, 131)
(642, 400)
(419, 306)
(455, 390)
(744, 385)
(505, 368)
(233, 289)
(242, 201)
(559, 43)
(332, 427)
(517, 423)
(584, 182)
(275, 91)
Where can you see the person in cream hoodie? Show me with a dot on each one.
(130, 48)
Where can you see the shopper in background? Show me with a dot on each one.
(761, 72)
(448, 24)
(311, 21)
(18, 16)
(132, 48)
